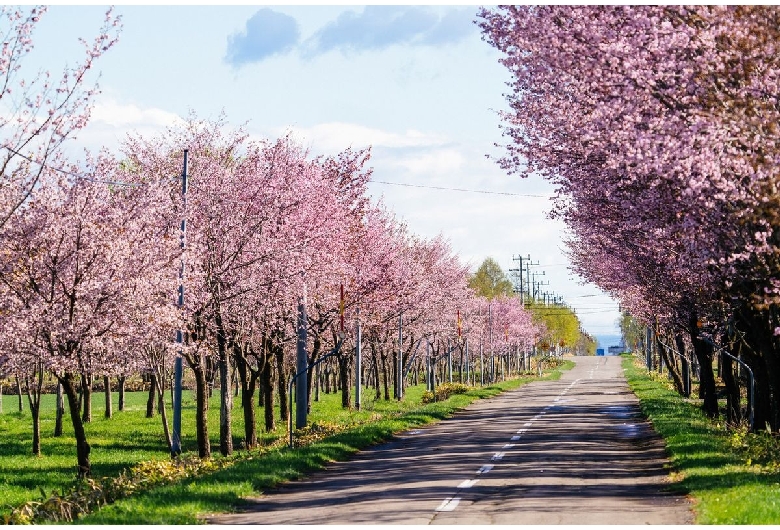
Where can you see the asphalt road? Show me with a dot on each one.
(573, 451)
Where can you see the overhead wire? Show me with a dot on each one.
(69, 173)
(445, 188)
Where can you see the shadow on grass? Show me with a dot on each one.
(712, 471)
(225, 490)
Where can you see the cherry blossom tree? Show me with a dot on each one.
(76, 258)
(653, 123)
(39, 111)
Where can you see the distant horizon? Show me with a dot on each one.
(605, 341)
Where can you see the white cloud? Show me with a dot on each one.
(112, 120)
(336, 136)
(433, 162)
(129, 116)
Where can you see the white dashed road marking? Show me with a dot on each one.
(449, 504)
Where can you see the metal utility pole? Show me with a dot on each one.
(178, 368)
(536, 285)
(518, 273)
(428, 369)
(466, 357)
(449, 361)
(528, 266)
(648, 351)
(490, 334)
(301, 365)
(358, 339)
(481, 365)
(399, 387)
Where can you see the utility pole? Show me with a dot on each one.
(178, 368)
(537, 285)
(428, 369)
(519, 274)
(301, 365)
(490, 334)
(525, 267)
(449, 361)
(466, 356)
(399, 387)
(648, 348)
(357, 361)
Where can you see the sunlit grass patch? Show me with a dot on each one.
(715, 466)
(130, 439)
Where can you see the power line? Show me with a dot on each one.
(456, 189)
(69, 173)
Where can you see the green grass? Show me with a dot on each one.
(725, 483)
(223, 491)
(130, 437)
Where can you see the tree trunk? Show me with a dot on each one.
(34, 386)
(671, 364)
(260, 389)
(311, 379)
(86, 386)
(344, 380)
(375, 367)
(60, 411)
(164, 415)
(686, 368)
(107, 391)
(267, 379)
(19, 394)
(121, 387)
(282, 382)
(757, 336)
(201, 412)
(703, 351)
(394, 374)
(225, 397)
(317, 382)
(385, 376)
(733, 412)
(82, 447)
(151, 400)
(460, 367)
(248, 382)
(327, 377)
(248, 402)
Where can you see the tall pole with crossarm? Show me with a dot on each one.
(177, 375)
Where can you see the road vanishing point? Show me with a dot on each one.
(573, 451)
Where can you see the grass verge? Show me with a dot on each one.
(188, 501)
(730, 474)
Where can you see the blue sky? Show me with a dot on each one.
(415, 82)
